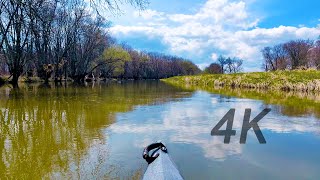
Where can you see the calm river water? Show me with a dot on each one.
(99, 131)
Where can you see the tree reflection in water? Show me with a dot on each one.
(47, 130)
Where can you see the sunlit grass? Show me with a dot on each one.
(297, 80)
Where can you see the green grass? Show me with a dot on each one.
(298, 80)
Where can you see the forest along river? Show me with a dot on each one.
(100, 130)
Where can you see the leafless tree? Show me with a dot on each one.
(222, 62)
(53, 35)
(275, 58)
(298, 52)
(314, 55)
(15, 32)
(233, 65)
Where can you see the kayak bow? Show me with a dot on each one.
(161, 167)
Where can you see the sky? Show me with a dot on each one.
(201, 30)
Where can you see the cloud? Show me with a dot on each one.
(214, 56)
(149, 15)
(217, 27)
(202, 66)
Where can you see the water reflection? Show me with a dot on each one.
(186, 127)
(99, 131)
(192, 123)
(291, 103)
(49, 131)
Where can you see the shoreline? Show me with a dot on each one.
(297, 80)
(31, 80)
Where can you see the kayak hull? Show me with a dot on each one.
(162, 168)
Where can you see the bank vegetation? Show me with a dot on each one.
(295, 80)
(289, 66)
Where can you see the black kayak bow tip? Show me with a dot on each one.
(154, 155)
(160, 167)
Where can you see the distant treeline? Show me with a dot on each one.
(224, 65)
(126, 63)
(296, 54)
(56, 40)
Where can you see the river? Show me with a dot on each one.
(100, 130)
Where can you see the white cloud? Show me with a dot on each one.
(125, 30)
(202, 66)
(214, 56)
(219, 26)
(149, 14)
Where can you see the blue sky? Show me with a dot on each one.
(201, 30)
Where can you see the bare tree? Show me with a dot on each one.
(280, 57)
(314, 55)
(275, 58)
(222, 62)
(298, 52)
(15, 32)
(50, 32)
(268, 59)
(233, 65)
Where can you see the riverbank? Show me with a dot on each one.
(24, 79)
(298, 80)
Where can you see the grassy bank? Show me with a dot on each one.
(280, 80)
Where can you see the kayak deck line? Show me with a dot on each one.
(161, 167)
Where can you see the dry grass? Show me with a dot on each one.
(299, 80)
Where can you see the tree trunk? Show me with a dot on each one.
(15, 80)
(47, 76)
(79, 79)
